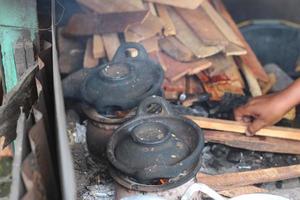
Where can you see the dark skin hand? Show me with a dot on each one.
(267, 110)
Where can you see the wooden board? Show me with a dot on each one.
(98, 47)
(255, 143)
(250, 59)
(89, 60)
(112, 6)
(150, 44)
(267, 86)
(253, 84)
(221, 24)
(219, 64)
(186, 36)
(174, 70)
(238, 127)
(234, 74)
(234, 50)
(149, 28)
(178, 86)
(163, 13)
(239, 179)
(190, 4)
(89, 24)
(203, 26)
(111, 43)
(175, 49)
(242, 190)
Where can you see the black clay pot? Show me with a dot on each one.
(119, 85)
(156, 145)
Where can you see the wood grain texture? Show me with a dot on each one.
(255, 143)
(190, 4)
(111, 44)
(203, 26)
(234, 192)
(238, 127)
(151, 44)
(186, 36)
(112, 6)
(149, 28)
(175, 70)
(163, 13)
(175, 49)
(239, 179)
(98, 47)
(221, 24)
(89, 61)
(89, 24)
(219, 64)
(253, 84)
(250, 59)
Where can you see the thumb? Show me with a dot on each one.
(255, 126)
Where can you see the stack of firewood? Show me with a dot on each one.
(197, 43)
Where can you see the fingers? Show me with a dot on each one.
(255, 126)
(243, 114)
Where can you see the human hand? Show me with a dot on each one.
(262, 111)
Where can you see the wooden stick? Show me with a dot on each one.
(169, 28)
(221, 24)
(238, 127)
(111, 44)
(190, 4)
(250, 59)
(255, 143)
(253, 84)
(98, 47)
(234, 192)
(89, 61)
(239, 179)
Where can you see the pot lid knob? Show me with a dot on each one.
(151, 133)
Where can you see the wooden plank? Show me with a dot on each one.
(239, 179)
(150, 6)
(234, 192)
(169, 28)
(150, 44)
(175, 49)
(255, 143)
(89, 61)
(189, 39)
(234, 50)
(250, 59)
(149, 28)
(175, 70)
(98, 47)
(238, 127)
(112, 6)
(221, 24)
(267, 86)
(253, 84)
(190, 4)
(178, 86)
(203, 26)
(219, 64)
(234, 74)
(111, 44)
(89, 24)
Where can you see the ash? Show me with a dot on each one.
(94, 183)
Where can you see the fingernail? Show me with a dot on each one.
(248, 133)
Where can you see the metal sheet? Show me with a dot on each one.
(65, 160)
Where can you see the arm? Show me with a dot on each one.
(269, 109)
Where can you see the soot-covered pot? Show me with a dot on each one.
(119, 85)
(155, 145)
